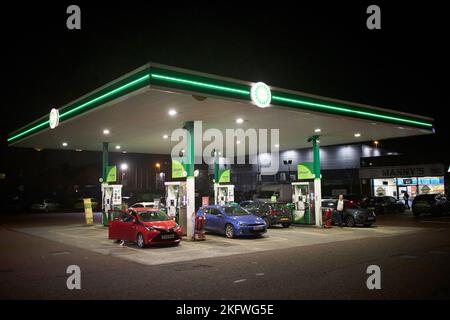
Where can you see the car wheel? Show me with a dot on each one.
(286, 225)
(350, 221)
(140, 240)
(266, 220)
(229, 231)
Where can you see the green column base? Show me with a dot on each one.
(105, 219)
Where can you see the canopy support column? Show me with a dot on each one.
(317, 181)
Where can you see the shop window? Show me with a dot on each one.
(431, 185)
(385, 187)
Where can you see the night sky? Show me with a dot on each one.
(323, 49)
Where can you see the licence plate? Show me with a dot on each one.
(284, 219)
(167, 236)
(370, 218)
(258, 228)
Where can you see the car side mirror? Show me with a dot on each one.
(134, 220)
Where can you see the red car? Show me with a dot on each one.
(145, 226)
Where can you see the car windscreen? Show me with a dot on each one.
(156, 215)
(235, 211)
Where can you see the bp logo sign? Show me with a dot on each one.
(54, 118)
(261, 95)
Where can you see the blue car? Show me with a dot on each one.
(233, 221)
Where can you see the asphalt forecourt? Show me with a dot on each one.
(95, 239)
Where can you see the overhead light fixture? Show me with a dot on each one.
(357, 135)
(78, 150)
(165, 136)
(124, 166)
(239, 120)
(157, 165)
(317, 130)
(376, 142)
(238, 142)
(65, 144)
(106, 131)
(124, 151)
(118, 147)
(172, 112)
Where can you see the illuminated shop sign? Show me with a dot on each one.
(402, 171)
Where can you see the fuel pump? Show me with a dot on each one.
(303, 200)
(223, 193)
(111, 200)
(176, 203)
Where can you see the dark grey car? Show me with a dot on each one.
(353, 214)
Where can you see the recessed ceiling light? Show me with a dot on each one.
(317, 130)
(165, 136)
(65, 144)
(239, 120)
(106, 131)
(357, 135)
(172, 112)
(118, 147)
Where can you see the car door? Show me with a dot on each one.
(128, 228)
(208, 219)
(215, 217)
(114, 228)
(220, 220)
(389, 204)
(121, 227)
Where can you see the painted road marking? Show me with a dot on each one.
(239, 281)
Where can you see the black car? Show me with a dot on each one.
(385, 204)
(273, 213)
(434, 203)
(353, 214)
(359, 199)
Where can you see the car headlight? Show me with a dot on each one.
(149, 228)
(242, 224)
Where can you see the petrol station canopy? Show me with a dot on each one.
(135, 110)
